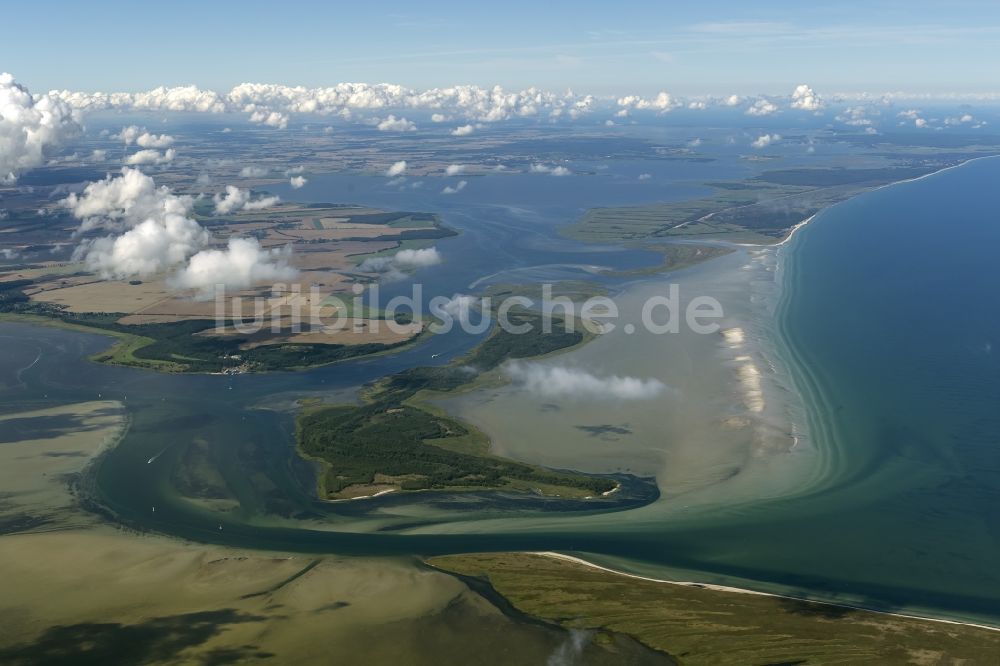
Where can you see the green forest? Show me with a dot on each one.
(389, 437)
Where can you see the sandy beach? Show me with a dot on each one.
(742, 590)
(723, 430)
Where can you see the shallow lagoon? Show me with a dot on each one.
(888, 498)
(724, 416)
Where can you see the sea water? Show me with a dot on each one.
(878, 321)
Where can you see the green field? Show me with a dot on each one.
(697, 625)
(759, 210)
(675, 257)
(176, 347)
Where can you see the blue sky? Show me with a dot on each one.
(601, 47)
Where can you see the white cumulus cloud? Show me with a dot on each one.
(394, 124)
(133, 134)
(242, 264)
(805, 99)
(153, 232)
(235, 199)
(129, 134)
(149, 247)
(275, 104)
(761, 107)
(397, 169)
(855, 115)
(959, 120)
(574, 383)
(148, 140)
(297, 182)
(151, 156)
(270, 118)
(122, 201)
(662, 102)
(30, 126)
(551, 170)
(765, 140)
(152, 227)
(395, 267)
(459, 186)
(428, 256)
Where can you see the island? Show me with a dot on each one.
(397, 441)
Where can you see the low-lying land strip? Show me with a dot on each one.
(698, 625)
(758, 210)
(395, 441)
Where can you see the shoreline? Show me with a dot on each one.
(738, 590)
(122, 339)
(741, 590)
(748, 591)
(724, 588)
(794, 229)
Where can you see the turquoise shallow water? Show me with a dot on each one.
(890, 323)
(891, 305)
(889, 308)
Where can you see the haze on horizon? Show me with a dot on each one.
(719, 47)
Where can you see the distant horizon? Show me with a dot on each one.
(717, 47)
(776, 91)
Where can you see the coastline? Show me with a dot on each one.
(793, 230)
(834, 604)
(809, 384)
(741, 590)
(120, 352)
(698, 624)
(817, 422)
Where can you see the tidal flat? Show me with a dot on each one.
(855, 485)
(78, 589)
(736, 486)
(724, 431)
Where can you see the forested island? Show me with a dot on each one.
(397, 442)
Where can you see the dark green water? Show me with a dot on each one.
(890, 311)
(889, 305)
(892, 302)
(890, 308)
